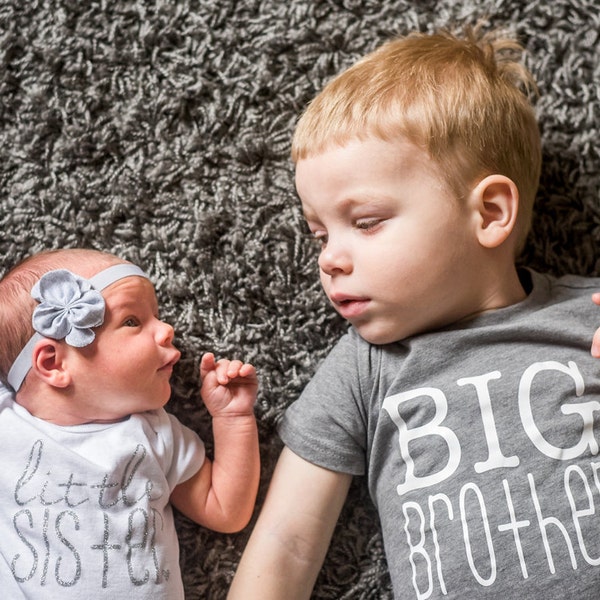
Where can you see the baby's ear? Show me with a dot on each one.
(496, 199)
(48, 363)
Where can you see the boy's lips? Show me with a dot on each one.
(349, 307)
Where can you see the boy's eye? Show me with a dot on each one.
(131, 322)
(321, 238)
(367, 224)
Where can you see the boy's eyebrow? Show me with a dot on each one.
(347, 204)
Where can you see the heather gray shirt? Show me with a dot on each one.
(479, 443)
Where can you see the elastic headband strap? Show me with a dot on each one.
(101, 280)
(111, 275)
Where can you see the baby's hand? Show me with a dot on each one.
(228, 386)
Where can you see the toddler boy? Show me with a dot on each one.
(464, 390)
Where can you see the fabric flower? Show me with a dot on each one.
(69, 308)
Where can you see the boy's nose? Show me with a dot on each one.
(335, 259)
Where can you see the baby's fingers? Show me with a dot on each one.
(247, 371)
(225, 371)
(229, 370)
(207, 364)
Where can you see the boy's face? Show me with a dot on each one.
(128, 366)
(396, 246)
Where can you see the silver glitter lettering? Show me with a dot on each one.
(164, 572)
(67, 496)
(16, 557)
(67, 543)
(46, 545)
(132, 530)
(129, 474)
(105, 547)
(33, 463)
(103, 487)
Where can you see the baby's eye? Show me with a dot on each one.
(131, 322)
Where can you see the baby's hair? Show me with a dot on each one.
(16, 303)
(462, 99)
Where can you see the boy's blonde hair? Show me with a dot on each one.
(16, 303)
(464, 100)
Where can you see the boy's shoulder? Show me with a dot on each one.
(549, 288)
(567, 280)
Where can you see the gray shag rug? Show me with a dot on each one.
(160, 130)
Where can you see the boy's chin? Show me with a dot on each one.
(377, 335)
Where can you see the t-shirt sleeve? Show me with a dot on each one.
(327, 425)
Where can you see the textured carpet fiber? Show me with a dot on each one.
(160, 130)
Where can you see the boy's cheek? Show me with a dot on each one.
(324, 282)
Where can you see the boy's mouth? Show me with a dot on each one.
(349, 307)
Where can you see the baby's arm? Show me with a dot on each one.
(289, 542)
(221, 495)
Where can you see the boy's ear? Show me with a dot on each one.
(48, 363)
(496, 199)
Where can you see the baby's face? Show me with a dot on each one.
(127, 368)
(395, 244)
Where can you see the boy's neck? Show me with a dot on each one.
(502, 290)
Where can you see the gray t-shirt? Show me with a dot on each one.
(479, 443)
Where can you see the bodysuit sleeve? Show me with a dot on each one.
(181, 450)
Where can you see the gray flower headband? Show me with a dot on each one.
(69, 308)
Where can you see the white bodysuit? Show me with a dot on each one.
(84, 510)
